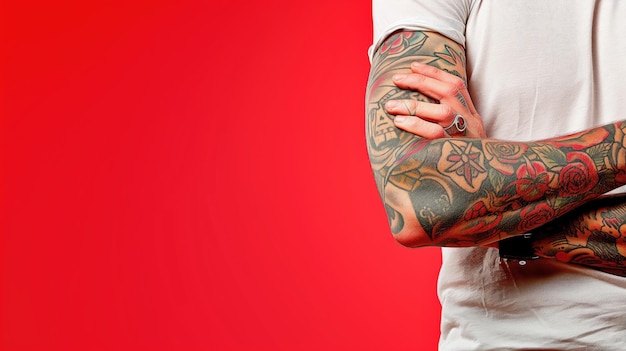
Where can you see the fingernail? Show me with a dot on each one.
(416, 64)
(399, 119)
(398, 77)
(392, 104)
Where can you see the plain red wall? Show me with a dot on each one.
(192, 175)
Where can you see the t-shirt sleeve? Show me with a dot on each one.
(446, 17)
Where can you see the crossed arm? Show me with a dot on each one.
(476, 191)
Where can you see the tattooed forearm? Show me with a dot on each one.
(467, 192)
(592, 235)
(478, 191)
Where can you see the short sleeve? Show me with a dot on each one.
(447, 17)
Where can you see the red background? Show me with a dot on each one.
(192, 175)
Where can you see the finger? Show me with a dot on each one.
(433, 72)
(430, 87)
(441, 75)
(433, 112)
(419, 127)
(446, 93)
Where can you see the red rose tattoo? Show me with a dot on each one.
(479, 216)
(532, 181)
(534, 217)
(578, 176)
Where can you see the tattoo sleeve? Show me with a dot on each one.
(468, 192)
(592, 235)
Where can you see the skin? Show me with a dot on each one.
(449, 97)
(592, 235)
(473, 190)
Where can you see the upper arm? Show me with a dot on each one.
(387, 145)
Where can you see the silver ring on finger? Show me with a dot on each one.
(458, 126)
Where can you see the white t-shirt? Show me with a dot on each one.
(536, 69)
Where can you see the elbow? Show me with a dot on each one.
(418, 218)
(413, 238)
(413, 234)
(405, 227)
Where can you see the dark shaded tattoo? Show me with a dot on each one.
(524, 185)
(467, 192)
(592, 235)
(461, 98)
(396, 222)
(395, 55)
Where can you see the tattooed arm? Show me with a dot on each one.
(592, 235)
(468, 192)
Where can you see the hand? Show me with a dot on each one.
(429, 120)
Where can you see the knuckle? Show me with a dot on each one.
(433, 70)
(414, 106)
(420, 78)
(414, 123)
(447, 111)
(458, 83)
(454, 86)
(452, 90)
